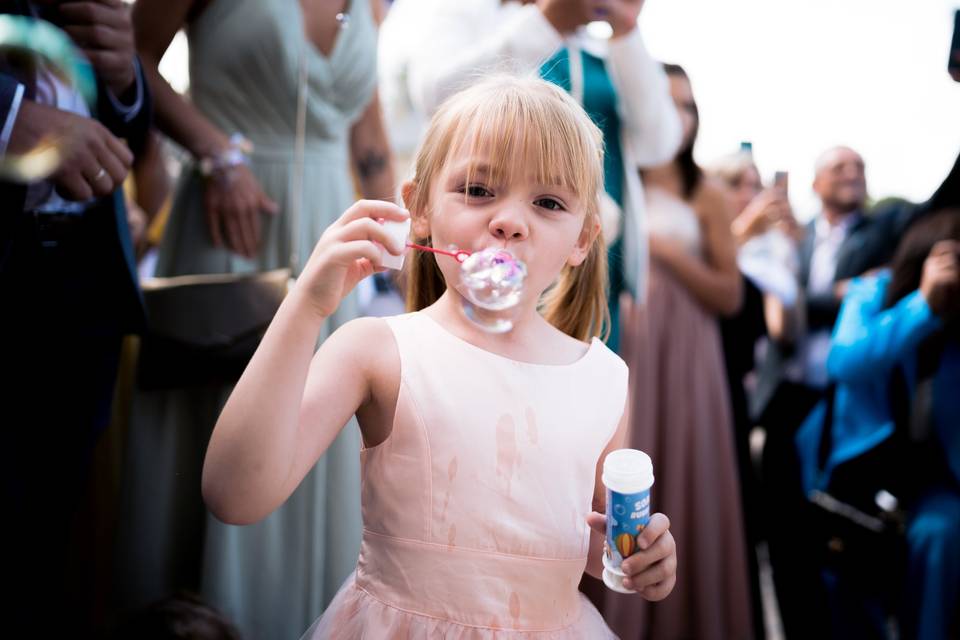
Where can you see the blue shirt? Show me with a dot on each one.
(868, 343)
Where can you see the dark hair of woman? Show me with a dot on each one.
(907, 270)
(690, 172)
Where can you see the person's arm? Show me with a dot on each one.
(651, 124)
(286, 410)
(233, 199)
(714, 281)
(461, 44)
(370, 154)
(869, 340)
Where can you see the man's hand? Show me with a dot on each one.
(103, 31)
(93, 161)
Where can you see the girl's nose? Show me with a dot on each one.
(507, 225)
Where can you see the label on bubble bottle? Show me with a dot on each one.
(628, 514)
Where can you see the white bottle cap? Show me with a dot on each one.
(399, 232)
(627, 471)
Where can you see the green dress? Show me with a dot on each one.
(275, 577)
(600, 103)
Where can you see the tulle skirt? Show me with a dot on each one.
(356, 614)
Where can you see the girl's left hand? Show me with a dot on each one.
(652, 570)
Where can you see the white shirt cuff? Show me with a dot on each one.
(129, 112)
(11, 118)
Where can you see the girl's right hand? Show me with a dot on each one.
(349, 251)
(234, 202)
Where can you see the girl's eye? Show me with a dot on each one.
(477, 191)
(549, 203)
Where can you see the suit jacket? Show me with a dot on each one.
(19, 259)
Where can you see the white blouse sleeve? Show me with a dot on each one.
(650, 120)
(467, 39)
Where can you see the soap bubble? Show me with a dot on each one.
(30, 48)
(491, 286)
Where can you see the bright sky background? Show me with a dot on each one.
(798, 76)
(795, 77)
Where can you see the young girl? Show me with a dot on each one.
(482, 452)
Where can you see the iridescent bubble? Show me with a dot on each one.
(30, 48)
(491, 286)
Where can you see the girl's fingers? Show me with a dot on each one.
(370, 229)
(662, 548)
(659, 591)
(658, 525)
(653, 574)
(373, 209)
(346, 253)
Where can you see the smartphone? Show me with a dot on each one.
(953, 64)
(780, 181)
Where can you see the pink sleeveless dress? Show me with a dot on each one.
(474, 507)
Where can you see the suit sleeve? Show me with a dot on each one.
(130, 122)
(11, 96)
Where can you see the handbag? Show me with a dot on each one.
(203, 329)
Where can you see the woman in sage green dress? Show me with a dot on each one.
(246, 62)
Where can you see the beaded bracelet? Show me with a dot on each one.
(237, 153)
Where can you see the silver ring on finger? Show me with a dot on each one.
(99, 174)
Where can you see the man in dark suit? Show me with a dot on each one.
(69, 290)
(842, 242)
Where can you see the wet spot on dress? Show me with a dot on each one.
(451, 474)
(532, 434)
(515, 609)
(507, 456)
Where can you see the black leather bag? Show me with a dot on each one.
(203, 329)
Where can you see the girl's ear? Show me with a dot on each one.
(418, 219)
(588, 235)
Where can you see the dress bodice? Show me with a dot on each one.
(488, 473)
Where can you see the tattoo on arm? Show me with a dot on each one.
(371, 163)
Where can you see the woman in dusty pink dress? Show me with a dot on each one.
(482, 450)
(679, 408)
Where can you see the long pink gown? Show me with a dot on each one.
(474, 507)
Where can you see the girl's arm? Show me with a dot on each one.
(284, 412)
(715, 280)
(869, 340)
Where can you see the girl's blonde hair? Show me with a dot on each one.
(520, 124)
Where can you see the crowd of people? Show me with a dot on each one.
(794, 384)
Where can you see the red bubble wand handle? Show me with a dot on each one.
(460, 255)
